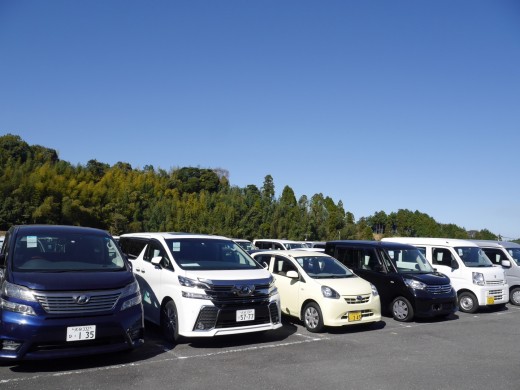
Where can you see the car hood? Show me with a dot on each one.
(73, 281)
(432, 279)
(230, 275)
(347, 286)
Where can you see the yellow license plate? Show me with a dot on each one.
(354, 316)
(490, 300)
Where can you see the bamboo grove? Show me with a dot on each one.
(37, 187)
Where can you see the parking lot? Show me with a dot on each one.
(465, 351)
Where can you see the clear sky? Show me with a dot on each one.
(384, 105)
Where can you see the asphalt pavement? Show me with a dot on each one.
(464, 351)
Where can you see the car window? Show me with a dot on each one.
(282, 266)
(155, 249)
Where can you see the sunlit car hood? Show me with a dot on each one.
(73, 281)
(345, 286)
(432, 279)
(234, 275)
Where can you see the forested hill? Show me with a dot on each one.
(37, 187)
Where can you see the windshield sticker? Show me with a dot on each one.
(32, 241)
(461, 252)
(176, 246)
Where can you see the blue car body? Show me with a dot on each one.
(66, 291)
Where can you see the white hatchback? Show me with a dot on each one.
(319, 290)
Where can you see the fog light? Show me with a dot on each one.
(10, 345)
(200, 326)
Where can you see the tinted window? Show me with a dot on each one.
(132, 247)
(282, 266)
(65, 251)
(209, 254)
(495, 255)
(155, 249)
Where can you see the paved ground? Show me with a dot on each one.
(465, 351)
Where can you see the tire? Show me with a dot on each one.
(402, 309)
(170, 322)
(514, 296)
(468, 302)
(312, 318)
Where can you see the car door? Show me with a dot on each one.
(152, 278)
(288, 288)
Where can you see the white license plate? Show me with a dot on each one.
(245, 315)
(79, 333)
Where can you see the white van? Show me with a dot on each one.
(477, 281)
(275, 244)
(507, 255)
(201, 286)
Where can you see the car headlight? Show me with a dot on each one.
(375, 293)
(478, 278)
(22, 293)
(131, 289)
(187, 282)
(415, 284)
(329, 292)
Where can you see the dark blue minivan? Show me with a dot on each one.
(66, 291)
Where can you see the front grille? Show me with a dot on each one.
(439, 289)
(497, 294)
(46, 347)
(494, 282)
(66, 303)
(353, 300)
(231, 294)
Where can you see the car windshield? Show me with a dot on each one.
(409, 261)
(515, 254)
(323, 267)
(65, 251)
(209, 254)
(294, 245)
(473, 257)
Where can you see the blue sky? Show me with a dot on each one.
(384, 105)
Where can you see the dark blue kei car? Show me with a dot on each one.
(66, 291)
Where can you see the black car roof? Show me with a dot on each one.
(44, 229)
(370, 244)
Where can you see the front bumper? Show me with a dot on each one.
(336, 311)
(26, 337)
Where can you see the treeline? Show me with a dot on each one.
(37, 187)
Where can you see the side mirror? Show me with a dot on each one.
(156, 260)
(506, 264)
(454, 264)
(292, 274)
(265, 265)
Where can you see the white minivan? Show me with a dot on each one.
(507, 255)
(197, 285)
(477, 281)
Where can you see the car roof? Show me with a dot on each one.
(496, 244)
(292, 253)
(450, 242)
(48, 229)
(370, 244)
(172, 235)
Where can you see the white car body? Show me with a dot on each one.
(222, 300)
(487, 283)
(505, 254)
(356, 301)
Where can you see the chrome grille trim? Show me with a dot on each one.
(353, 300)
(494, 282)
(64, 302)
(438, 289)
